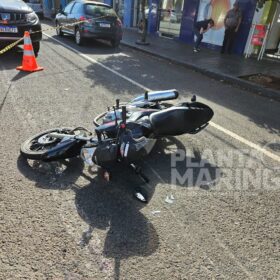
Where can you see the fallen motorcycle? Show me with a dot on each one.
(124, 134)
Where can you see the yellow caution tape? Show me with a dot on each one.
(12, 45)
(7, 48)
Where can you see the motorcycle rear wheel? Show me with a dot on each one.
(38, 145)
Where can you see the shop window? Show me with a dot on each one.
(170, 17)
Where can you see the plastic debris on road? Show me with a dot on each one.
(156, 212)
(170, 199)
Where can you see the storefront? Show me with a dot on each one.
(50, 7)
(269, 16)
(175, 19)
(128, 11)
(216, 9)
(170, 17)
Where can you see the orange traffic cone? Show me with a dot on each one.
(29, 61)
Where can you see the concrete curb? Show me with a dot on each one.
(235, 81)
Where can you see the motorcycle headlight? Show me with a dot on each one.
(31, 17)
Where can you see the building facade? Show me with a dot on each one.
(175, 18)
(50, 7)
(269, 15)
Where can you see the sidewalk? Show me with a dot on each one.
(211, 63)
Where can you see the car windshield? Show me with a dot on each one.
(99, 11)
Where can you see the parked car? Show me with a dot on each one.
(15, 18)
(103, 22)
(36, 6)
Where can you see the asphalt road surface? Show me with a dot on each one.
(214, 197)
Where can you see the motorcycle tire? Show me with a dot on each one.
(32, 149)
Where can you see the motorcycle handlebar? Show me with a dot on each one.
(124, 114)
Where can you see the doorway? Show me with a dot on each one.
(170, 17)
(273, 40)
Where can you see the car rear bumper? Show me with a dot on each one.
(101, 34)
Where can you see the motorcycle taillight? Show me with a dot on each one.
(85, 19)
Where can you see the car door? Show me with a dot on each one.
(65, 19)
(75, 15)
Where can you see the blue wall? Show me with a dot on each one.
(188, 19)
(47, 8)
(128, 13)
(248, 9)
(153, 16)
(109, 2)
(63, 3)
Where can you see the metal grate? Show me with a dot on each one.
(15, 18)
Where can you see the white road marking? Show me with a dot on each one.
(246, 142)
(218, 127)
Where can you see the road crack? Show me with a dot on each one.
(5, 97)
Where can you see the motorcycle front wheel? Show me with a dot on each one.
(38, 145)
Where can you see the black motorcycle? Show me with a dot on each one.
(124, 134)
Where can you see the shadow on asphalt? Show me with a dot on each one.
(111, 205)
(57, 175)
(12, 58)
(249, 105)
(19, 75)
(90, 46)
(101, 205)
(190, 170)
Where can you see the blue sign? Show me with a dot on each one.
(5, 16)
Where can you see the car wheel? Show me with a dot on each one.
(36, 48)
(78, 37)
(115, 43)
(58, 29)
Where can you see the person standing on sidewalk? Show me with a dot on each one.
(200, 28)
(232, 22)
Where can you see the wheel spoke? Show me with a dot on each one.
(44, 142)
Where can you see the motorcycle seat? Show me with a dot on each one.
(178, 120)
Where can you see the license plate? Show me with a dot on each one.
(8, 29)
(106, 25)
